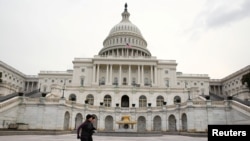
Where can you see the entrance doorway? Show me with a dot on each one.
(125, 101)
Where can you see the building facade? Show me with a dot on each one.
(13, 81)
(123, 80)
(231, 85)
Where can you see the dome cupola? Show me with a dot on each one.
(125, 39)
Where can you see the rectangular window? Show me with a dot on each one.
(82, 81)
(133, 81)
(167, 83)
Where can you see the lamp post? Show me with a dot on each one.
(63, 89)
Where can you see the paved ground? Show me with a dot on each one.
(72, 137)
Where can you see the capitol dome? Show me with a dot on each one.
(125, 39)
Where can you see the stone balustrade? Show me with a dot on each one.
(9, 103)
(241, 107)
(56, 101)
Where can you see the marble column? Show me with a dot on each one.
(120, 75)
(151, 71)
(98, 71)
(142, 75)
(129, 75)
(93, 75)
(107, 75)
(111, 71)
(156, 75)
(138, 79)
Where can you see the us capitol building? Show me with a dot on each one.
(126, 88)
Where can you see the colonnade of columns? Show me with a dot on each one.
(216, 89)
(30, 86)
(124, 52)
(109, 79)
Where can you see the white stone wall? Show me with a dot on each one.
(8, 117)
(48, 115)
(12, 81)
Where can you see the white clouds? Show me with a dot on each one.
(47, 35)
(217, 13)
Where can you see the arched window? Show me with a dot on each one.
(142, 101)
(72, 97)
(159, 101)
(107, 100)
(177, 99)
(90, 99)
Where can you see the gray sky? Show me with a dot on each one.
(203, 36)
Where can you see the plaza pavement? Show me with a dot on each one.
(72, 137)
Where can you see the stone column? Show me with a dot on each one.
(28, 86)
(93, 75)
(110, 80)
(107, 75)
(156, 75)
(129, 75)
(120, 74)
(32, 85)
(142, 75)
(98, 71)
(151, 70)
(138, 79)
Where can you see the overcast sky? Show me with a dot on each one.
(203, 36)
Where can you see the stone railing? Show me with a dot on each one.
(241, 107)
(184, 103)
(68, 102)
(110, 109)
(52, 100)
(141, 108)
(199, 102)
(79, 105)
(32, 100)
(156, 108)
(171, 106)
(115, 57)
(15, 101)
(92, 107)
(9, 103)
(193, 75)
(219, 103)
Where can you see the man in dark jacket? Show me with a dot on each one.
(93, 129)
(86, 129)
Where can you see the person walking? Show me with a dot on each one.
(93, 129)
(86, 129)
